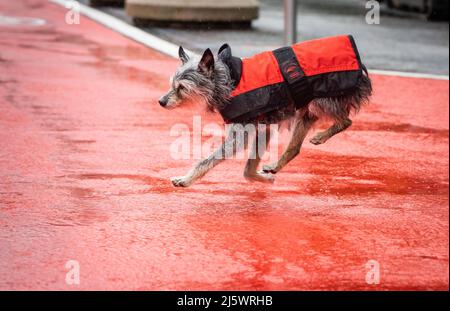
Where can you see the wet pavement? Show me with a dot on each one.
(85, 167)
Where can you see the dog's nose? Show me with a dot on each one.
(163, 102)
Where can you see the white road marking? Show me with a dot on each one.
(408, 74)
(21, 21)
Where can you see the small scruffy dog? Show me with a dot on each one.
(301, 84)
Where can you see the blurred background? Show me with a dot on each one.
(412, 35)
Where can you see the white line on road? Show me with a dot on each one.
(408, 74)
(171, 49)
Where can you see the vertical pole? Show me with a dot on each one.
(290, 22)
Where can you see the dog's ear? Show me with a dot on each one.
(183, 56)
(206, 64)
(225, 52)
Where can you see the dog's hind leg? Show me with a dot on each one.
(302, 127)
(259, 147)
(228, 149)
(336, 128)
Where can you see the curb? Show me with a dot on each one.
(193, 10)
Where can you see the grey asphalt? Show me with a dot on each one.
(401, 42)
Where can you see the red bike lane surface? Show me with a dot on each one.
(85, 166)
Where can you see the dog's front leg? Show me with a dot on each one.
(227, 149)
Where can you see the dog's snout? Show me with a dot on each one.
(163, 101)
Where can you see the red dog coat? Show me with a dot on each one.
(305, 71)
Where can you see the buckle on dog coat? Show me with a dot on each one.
(271, 80)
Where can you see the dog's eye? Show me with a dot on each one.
(180, 89)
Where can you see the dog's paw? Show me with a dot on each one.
(269, 169)
(181, 181)
(318, 140)
(262, 177)
(267, 177)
